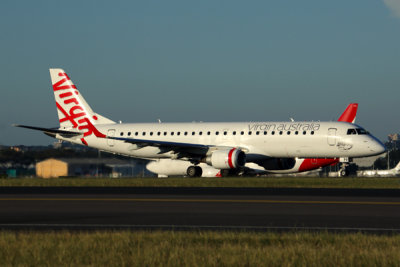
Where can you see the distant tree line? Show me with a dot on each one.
(23, 155)
(394, 158)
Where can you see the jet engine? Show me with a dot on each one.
(171, 167)
(227, 159)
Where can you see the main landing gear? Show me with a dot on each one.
(194, 171)
(197, 171)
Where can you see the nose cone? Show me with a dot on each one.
(377, 147)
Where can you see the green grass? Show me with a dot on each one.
(168, 248)
(211, 182)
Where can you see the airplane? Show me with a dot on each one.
(223, 145)
(171, 167)
(380, 173)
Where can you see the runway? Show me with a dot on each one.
(188, 209)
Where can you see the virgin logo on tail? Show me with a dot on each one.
(73, 109)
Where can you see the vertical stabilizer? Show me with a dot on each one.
(349, 115)
(74, 113)
(71, 106)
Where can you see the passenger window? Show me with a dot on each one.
(185, 133)
(242, 133)
(258, 132)
(280, 132)
(288, 133)
(304, 133)
(312, 132)
(172, 133)
(296, 132)
(129, 133)
(151, 133)
(193, 133)
(265, 132)
(217, 133)
(273, 132)
(249, 132)
(208, 133)
(121, 133)
(158, 133)
(234, 132)
(136, 133)
(178, 133)
(200, 133)
(165, 133)
(225, 133)
(144, 133)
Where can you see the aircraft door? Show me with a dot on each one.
(332, 136)
(110, 133)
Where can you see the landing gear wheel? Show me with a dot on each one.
(191, 171)
(343, 173)
(194, 171)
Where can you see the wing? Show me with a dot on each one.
(197, 149)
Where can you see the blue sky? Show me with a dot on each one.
(138, 61)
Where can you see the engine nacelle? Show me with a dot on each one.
(227, 159)
(171, 167)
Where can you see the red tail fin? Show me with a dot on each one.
(349, 115)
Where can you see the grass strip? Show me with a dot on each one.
(208, 248)
(264, 182)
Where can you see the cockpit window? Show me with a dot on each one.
(351, 131)
(361, 131)
(357, 131)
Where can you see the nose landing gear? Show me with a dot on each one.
(346, 168)
(343, 172)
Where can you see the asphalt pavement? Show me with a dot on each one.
(202, 208)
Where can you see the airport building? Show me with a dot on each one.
(94, 167)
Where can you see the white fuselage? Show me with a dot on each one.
(257, 139)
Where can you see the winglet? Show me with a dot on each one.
(349, 115)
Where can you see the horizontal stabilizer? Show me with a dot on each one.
(50, 131)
